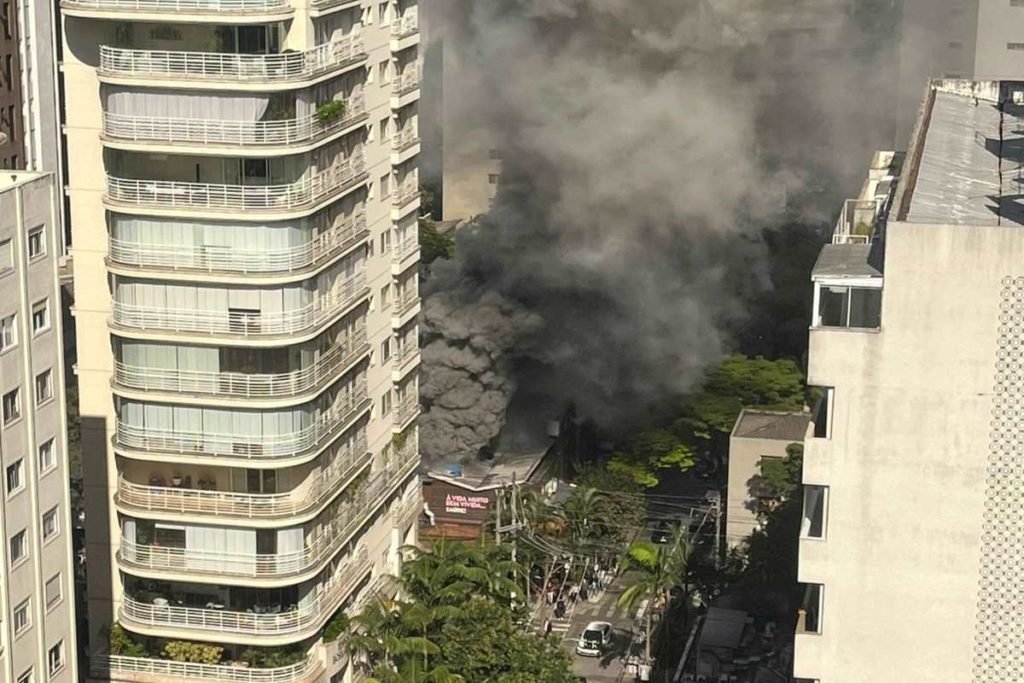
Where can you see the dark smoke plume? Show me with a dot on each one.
(646, 144)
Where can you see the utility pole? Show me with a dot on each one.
(716, 507)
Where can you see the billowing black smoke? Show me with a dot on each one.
(646, 144)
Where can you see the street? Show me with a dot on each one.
(608, 668)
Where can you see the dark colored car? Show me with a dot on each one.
(662, 533)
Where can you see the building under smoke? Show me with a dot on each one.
(645, 146)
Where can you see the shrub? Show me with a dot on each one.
(330, 111)
(196, 653)
(336, 627)
(122, 644)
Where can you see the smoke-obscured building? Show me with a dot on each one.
(243, 193)
(37, 623)
(913, 471)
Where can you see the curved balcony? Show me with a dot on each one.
(405, 412)
(218, 259)
(302, 194)
(183, 501)
(147, 670)
(406, 82)
(243, 324)
(231, 67)
(177, 131)
(297, 622)
(202, 443)
(324, 369)
(349, 518)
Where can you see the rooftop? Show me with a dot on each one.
(845, 260)
(777, 426)
(9, 179)
(964, 164)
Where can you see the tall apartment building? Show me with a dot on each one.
(913, 467)
(243, 191)
(37, 626)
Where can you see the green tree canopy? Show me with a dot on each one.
(433, 244)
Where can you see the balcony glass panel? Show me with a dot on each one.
(859, 307)
(240, 54)
(152, 670)
(242, 372)
(288, 552)
(247, 312)
(241, 433)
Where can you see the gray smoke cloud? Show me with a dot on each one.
(645, 146)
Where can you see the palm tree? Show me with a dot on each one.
(380, 635)
(584, 512)
(662, 568)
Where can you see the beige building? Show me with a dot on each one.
(37, 624)
(757, 437)
(913, 472)
(243, 187)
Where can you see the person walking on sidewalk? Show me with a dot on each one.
(547, 627)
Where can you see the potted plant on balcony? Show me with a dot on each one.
(120, 644)
(330, 111)
(196, 653)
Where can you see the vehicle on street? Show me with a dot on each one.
(596, 637)
(662, 532)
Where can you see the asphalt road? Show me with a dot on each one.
(608, 668)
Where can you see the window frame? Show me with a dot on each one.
(22, 538)
(18, 468)
(54, 514)
(13, 328)
(40, 232)
(62, 661)
(16, 407)
(47, 377)
(26, 607)
(43, 306)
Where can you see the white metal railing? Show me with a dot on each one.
(242, 384)
(326, 426)
(224, 66)
(406, 354)
(406, 510)
(247, 505)
(405, 193)
(407, 81)
(242, 323)
(152, 670)
(405, 138)
(406, 410)
(406, 25)
(856, 223)
(235, 259)
(349, 516)
(173, 130)
(219, 197)
(406, 248)
(297, 620)
(406, 301)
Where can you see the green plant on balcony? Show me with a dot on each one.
(862, 228)
(336, 627)
(195, 653)
(398, 440)
(121, 644)
(330, 111)
(273, 658)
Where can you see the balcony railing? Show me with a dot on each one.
(349, 517)
(232, 67)
(405, 249)
(245, 385)
(203, 443)
(406, 410)
(406, 26)
(406, 301)
(305, 618)
(405, 193)
(245, 505)
(216, 197)
(146, 670)
(405, 138)
(233, 259)
(177, 130)
(242, 323)
(406, 82)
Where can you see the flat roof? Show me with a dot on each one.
(766, 424)
(845, 260)
(10, 178)
(966, 152)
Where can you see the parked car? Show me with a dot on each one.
(596, 637)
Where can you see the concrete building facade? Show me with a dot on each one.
(243, 188)
(37, 624)
(912, 467)
(759, 438)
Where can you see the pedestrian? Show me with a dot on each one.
(560, 609)
(583, 592)
(572, 595)
(547, 627)
(550, 596)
